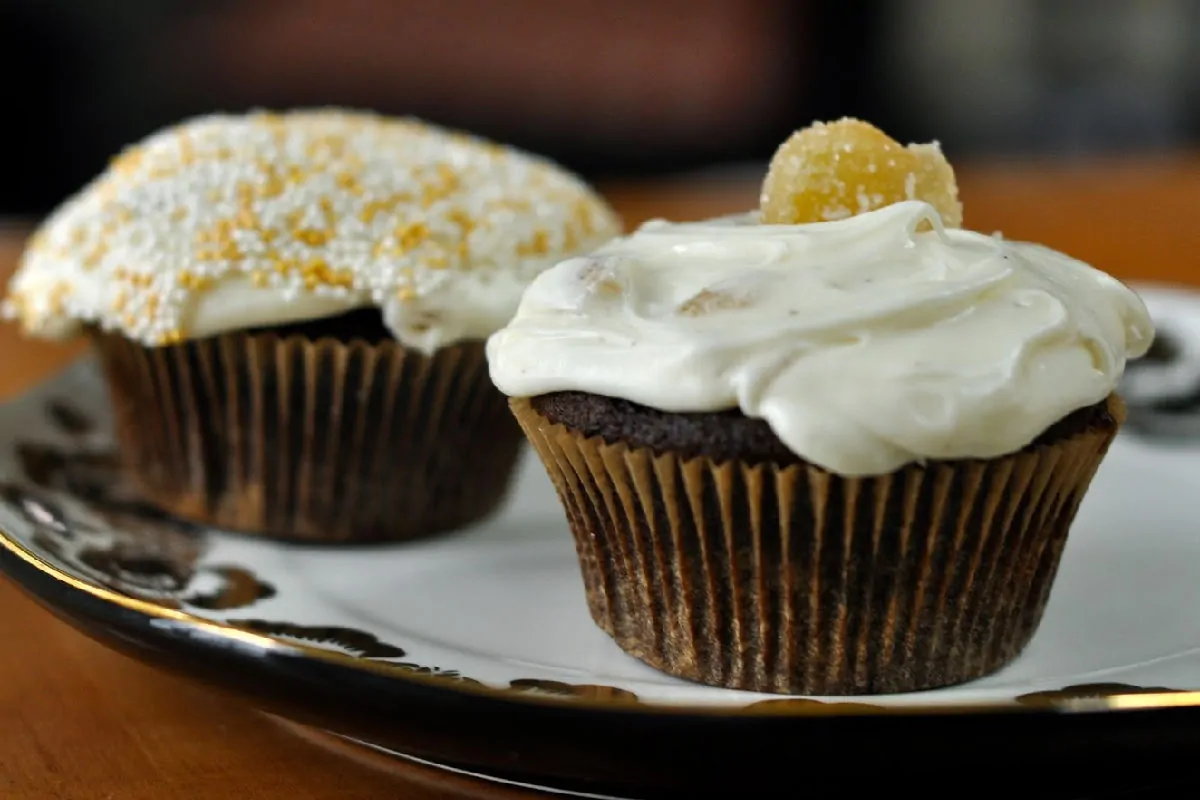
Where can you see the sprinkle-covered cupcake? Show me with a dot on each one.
(831, 447)
(290, 310)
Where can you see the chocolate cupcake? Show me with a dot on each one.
(290, 311)
(821, 457)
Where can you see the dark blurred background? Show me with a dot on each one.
(611, 88)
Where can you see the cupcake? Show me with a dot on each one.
(830, 447)
(290, 312)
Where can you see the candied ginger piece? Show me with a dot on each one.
(836, 170)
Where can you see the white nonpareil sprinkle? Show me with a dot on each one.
(330, 203)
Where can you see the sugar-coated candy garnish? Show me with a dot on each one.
(830, 171)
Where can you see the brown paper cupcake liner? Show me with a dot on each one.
(797, 581)
(317, 440)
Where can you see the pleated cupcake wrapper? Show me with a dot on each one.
(798, 581)
(312, 440)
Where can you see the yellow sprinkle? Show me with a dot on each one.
(283, 265)
(173, 336)
(199, 283)
(327, 210)
(373, 208)
(295, 174)
(448, 183)
(348, 182)
(312, 237)
(409, 236)
(316, 273)
(246, 219)
(95, 256)
(272, 186)
(539, 245)
(245, 193)
(128, 161)
(218, 243)
(462, 219)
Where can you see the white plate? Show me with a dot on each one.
(495, 614)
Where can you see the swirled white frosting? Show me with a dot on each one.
(866, 344)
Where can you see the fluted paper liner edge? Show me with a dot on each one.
(311, 440)
(798, 581)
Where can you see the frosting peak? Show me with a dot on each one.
(866, 343)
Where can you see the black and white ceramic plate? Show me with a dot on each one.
(475, 650)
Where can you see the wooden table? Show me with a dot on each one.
(79, 722)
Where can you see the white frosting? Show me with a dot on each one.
(863, 343)
(231, 222)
